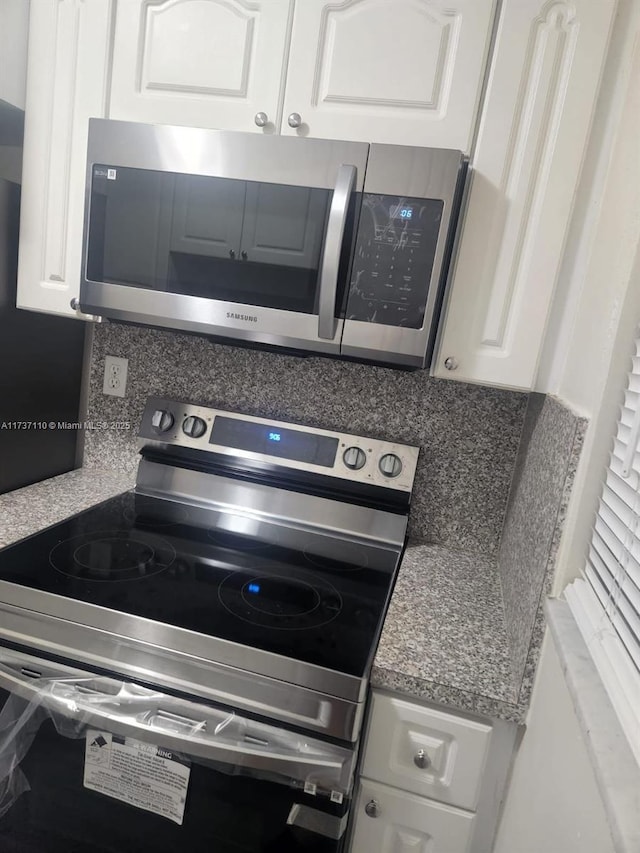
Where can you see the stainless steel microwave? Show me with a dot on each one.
(314, 245)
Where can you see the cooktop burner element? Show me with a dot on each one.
(263, 563)
(280, 602)
(111, 556)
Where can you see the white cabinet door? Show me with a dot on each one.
(400, 71)
(66, 84)
(392, 821)
(204, 63)
(426, 750)
(542, 89)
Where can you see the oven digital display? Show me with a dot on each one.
(290, 444)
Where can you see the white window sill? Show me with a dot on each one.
(615, 768)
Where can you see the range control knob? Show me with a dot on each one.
(390, 465)
(194, 427)
(354, 458)
(161, 420)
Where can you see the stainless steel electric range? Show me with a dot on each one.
(224, 613)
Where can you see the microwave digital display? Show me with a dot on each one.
(400, 212)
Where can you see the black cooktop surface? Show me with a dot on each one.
(318, 602)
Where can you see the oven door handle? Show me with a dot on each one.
(148, 715)
(332, 250)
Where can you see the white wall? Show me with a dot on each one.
(553, 804)
(14, 23)
(603, 236)
(591, 372)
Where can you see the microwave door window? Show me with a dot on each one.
(207, 217)
(266, 252)
(218, 238)
(129, 226)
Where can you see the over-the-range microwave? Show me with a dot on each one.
(318, 246)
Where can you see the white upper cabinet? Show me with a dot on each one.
(407, 72)
(66, 84)
(543, 83)
(400, 71)
(204, 63)
(395, 71)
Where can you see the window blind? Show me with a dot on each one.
(605, 601)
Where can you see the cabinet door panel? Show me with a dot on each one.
(66, 82)
(455, 750)
(207, 216)
(284, 225)
(542, 90)
(399, 71)
(406, 823)
(204, 63)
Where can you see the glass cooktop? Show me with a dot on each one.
(152, 558)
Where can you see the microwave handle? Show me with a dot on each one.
(332, 249)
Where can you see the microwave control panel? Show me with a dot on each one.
(394, 259)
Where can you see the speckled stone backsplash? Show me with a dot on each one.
(552, 440)
(468, 435)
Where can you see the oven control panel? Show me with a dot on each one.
(336, 454)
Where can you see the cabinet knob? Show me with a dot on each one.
(243, 255)
(451, 363)
(232, 254)
(421, 759)
(372, 809)
(75, 304)
(261, 119)
(294, 120)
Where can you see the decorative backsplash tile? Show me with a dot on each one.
(468, 434)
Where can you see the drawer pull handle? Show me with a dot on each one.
(421, 759)
(372, 809)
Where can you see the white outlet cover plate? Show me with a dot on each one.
(114, 381)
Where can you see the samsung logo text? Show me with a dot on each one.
(248, 317)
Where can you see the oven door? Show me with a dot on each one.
(226, 234)
(91, 764)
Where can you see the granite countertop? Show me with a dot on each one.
(444, 638)
(32, 508)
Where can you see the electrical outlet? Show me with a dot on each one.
(115, 376)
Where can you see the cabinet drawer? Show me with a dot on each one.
(405, 822)
(403, 735)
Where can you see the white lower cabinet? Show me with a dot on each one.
(393, 821)
(432, 780)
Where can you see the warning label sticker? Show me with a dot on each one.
(141, 774)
